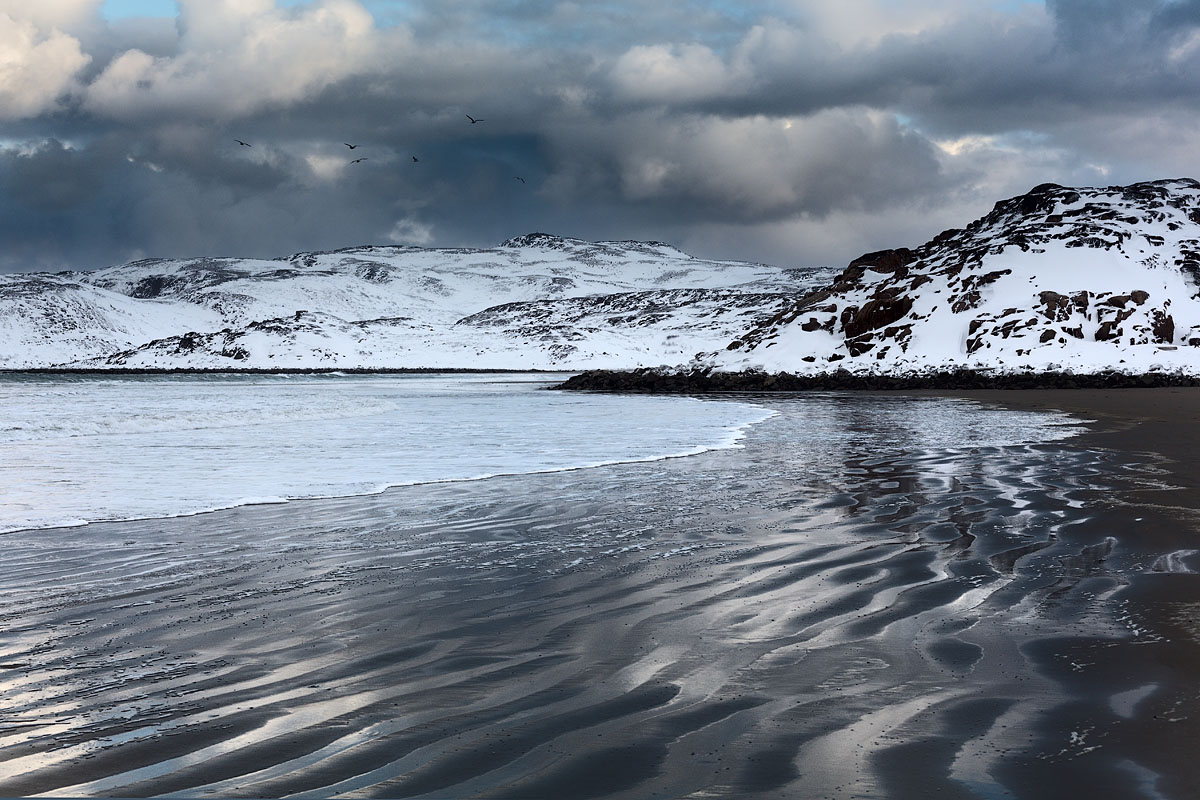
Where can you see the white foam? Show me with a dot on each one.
(74, 451)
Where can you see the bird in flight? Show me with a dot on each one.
(351, 146)
(518, 178)
(355, 161)
(415, 159)
(243, 144)
(473, 120)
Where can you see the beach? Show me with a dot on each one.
(923, 600)
(1163, 516)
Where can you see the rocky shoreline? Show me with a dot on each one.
(120, 371)
(654, 381)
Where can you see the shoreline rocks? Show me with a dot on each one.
(654, 381)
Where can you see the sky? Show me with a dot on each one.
(791, 132)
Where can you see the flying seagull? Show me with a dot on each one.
(355, 161)
(473, 120)
(518, 178)
(414, 159)
(351, 146)
(243, 144)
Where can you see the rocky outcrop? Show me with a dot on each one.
(703, 381)
(1085, 279)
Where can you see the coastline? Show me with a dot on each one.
(657, 381)
(752, 622)
(653, 380)
(99, 371)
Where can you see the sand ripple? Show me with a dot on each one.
(772, 622)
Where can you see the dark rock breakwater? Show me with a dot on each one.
(655, 381)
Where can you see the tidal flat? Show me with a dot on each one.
(872, 595)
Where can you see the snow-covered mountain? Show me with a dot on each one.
(1084, 280)
(535, 302)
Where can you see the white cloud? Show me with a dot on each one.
(410, 231)
(966, 144)
(326, 167)
(672, 73)
(36, 67)
(238, 56)
(850, 23)
(1186, 48)
(50, 15)
(749, 166)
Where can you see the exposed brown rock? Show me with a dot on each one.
(885, 260)
(860, 345)
(966, 302)
(1054, 305)
(1117, 300)
(874, 314)
(1163, 326)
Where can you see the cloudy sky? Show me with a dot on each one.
(787, 131)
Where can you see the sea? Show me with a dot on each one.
(438, 586)
(82, 449)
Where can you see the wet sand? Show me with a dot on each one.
(1162, 421)
(1160, 730)
(854, 617)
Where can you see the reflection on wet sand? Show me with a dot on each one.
(871, 599)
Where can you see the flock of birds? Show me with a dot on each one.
(364, 158)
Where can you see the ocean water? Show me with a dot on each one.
(75, 450)
(872, 595)
(845, 595)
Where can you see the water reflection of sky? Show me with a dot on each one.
(829, 427)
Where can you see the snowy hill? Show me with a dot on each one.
(536, 301)
(1084, 280)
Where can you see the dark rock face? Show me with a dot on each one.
(877, 313)
(894, 261)
(1163, 327)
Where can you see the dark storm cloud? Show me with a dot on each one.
(802, 132)
(983, 73)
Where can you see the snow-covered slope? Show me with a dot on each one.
(536, 301)
(1083, 279)
(1057, 279)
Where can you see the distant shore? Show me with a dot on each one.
(647, 380)
(653, 381)
(274, 371)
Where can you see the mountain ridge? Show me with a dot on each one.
(536, 301)
(1058, 280)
